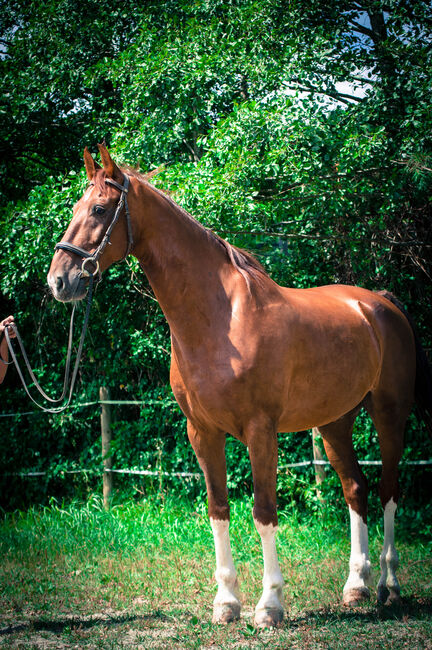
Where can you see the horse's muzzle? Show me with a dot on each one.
(65, 287)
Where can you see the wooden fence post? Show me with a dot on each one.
(317, 455)
(106, 444)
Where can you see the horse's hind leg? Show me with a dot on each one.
(337, 438)
(210, 451)
(389, 419)
(261, 439)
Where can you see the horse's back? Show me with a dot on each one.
(344, 305)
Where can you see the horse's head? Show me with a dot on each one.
(99, 234)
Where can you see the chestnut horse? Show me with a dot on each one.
(251, 358)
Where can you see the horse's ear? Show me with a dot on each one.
(153, 172)
(112, 171)
(90, 164)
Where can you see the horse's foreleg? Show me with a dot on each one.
(210, 451)
(226, 605)
(262, 444)
(337, 439)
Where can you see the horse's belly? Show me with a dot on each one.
(313, 413)
(310, 399)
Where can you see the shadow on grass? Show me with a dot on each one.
(58, 626)
(410, 608)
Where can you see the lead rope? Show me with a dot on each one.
(58, 409)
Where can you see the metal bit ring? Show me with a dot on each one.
(84, 272)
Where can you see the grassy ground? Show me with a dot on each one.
(141, 576)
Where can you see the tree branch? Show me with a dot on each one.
(336, 176)
(408, 163)
(296, 235)
(36, 161)
(194, 150)
(280, 235)
(362, 29)
(357, 77)
(316, 91)
(308, 88)
(379, 28)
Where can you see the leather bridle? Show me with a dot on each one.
(93, 258)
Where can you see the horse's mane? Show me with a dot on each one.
(242, 260)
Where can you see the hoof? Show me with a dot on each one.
(266, 618)
(226, 612)
(355, 597)
(388, 596)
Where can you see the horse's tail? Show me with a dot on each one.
(423, 380)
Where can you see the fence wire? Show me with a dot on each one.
(149, 472)
(196, 475)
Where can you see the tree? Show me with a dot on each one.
(50, 104)
(299, 131)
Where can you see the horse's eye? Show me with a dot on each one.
(98, 209)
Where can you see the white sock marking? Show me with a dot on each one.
(389, 558)
(225, 574)
(359, 559)
(272, 596)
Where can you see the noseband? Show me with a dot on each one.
(93, 258)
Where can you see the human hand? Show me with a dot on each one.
(6, 322)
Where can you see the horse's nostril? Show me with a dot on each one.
(59, 284)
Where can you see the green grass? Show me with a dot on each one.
(141, 575)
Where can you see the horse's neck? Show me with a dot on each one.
(186, 266)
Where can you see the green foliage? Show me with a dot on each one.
(190, 65)
(51, 99)
(242, 102)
